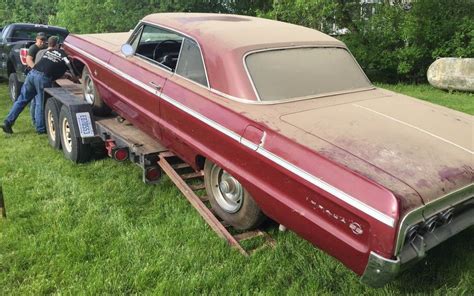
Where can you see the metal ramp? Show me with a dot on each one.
(191, 184)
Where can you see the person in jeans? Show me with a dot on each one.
(31, 59)
(53, 65)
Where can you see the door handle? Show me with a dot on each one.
(156, 86)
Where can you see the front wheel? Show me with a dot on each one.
(73, 148)
(14, 87)
(230, 200)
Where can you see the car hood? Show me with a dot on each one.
(427, 147)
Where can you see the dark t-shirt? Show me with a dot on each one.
(33, 50)
(53, 63)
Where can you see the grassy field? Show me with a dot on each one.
(96, 228)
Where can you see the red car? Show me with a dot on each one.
(286, 125)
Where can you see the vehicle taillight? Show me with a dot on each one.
(23, 54)
(152, 174)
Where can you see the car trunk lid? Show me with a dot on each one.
(428, 147)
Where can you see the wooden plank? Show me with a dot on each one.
(248, 235)
(140, 142)
(3, 211)
(192, 175)
(195, 187)
(180, 166)
(199, 205)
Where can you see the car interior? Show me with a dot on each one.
(165, 52)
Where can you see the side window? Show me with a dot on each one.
(190, 63)
(160, 46)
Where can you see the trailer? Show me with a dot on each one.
(72, 127)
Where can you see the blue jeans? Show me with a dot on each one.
(32, 109)
(33, 87)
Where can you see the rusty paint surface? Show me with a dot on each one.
(418, 150)
(427, 147)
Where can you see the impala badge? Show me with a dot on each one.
(356, 228)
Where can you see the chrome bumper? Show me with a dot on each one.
(380, 270)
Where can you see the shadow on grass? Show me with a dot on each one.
(444, 265)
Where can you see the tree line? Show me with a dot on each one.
(393, 40)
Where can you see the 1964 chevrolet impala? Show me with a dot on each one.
(286, 125)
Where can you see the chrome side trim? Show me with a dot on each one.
(354, 202)
(419, 214)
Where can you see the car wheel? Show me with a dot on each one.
(14, 87)
(229, 199)
(91, 95)
(73, 148)
(51, 115)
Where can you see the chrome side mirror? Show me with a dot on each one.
(127, 50)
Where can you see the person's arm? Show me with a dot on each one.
(30, 58)
(29, 61)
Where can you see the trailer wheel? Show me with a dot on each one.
(73, 148)
(92, 96)
(51, 115)
(230, 200)
(14, 86)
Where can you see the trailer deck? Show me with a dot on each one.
(119, 135)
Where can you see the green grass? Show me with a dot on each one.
(96, 228)
(455, 100)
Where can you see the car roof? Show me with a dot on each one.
(237, 31)
(225, 39)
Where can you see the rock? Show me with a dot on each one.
(452, 73)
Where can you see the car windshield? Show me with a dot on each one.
(304, 72)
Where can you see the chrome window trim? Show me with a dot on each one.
(137, 33)
(421, 213)
(305, 97)
(199, 46)
(287, 165)
(153, 62)
(202, 60)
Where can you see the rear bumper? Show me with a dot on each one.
(380, 270)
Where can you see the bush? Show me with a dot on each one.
(392, 40)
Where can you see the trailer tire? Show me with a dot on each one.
(73, 148)
(92, 96)
(14, 86)
(51, 115)
(229, 199)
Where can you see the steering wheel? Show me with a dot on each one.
(157, 54)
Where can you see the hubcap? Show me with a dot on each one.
(227, 191)
(89, 91)
(66, 135)
(51, 126)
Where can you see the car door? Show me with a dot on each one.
(140, 78)
(185, 94)
(3, 56)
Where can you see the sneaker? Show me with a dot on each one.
(7, 128)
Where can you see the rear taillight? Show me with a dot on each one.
(152, 174)
(23, 54)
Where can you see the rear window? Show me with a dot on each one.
(30, 34)
(304, 72)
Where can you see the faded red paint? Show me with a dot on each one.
(371, 169)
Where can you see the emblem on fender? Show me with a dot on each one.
(356, 228)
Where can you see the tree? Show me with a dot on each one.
(29, 11)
